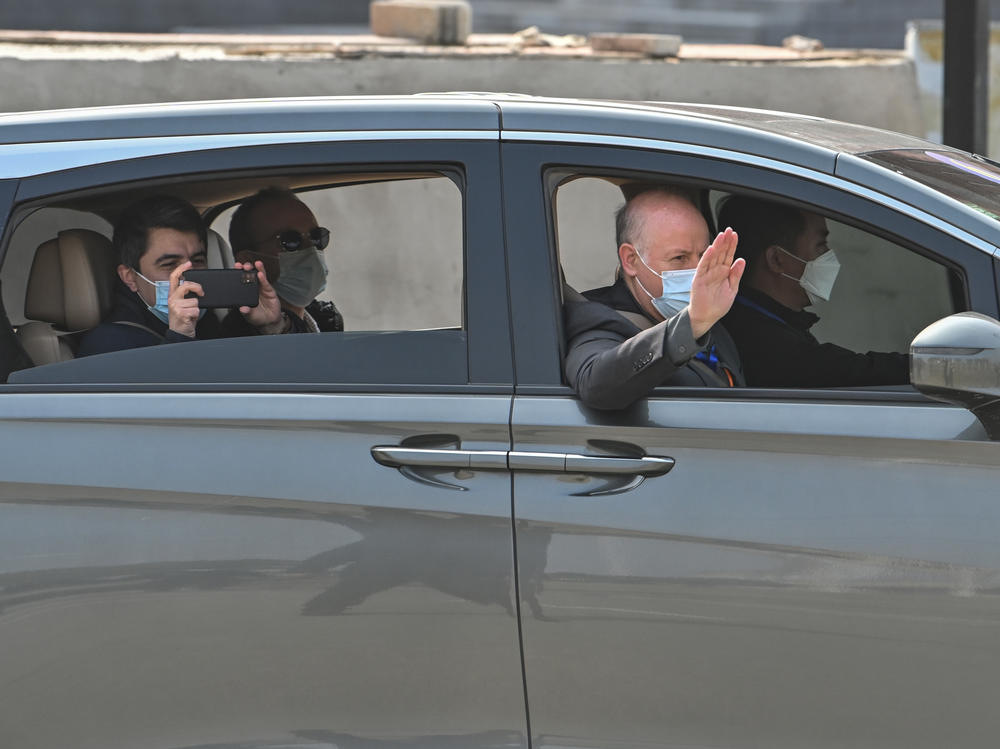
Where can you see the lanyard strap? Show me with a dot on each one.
(753, 305)
(709, 357)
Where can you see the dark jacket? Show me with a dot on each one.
(611, 362)
(778, 350)
(132, 325)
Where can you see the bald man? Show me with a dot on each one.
(658, 323)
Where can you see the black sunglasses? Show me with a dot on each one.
(291, 239)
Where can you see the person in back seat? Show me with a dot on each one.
(274, 226)
(157, 239)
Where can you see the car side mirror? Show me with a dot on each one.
(957, 360)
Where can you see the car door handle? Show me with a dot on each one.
(433, 457)
(517, 460)
(600, 464)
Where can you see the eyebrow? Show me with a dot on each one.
(175, 256)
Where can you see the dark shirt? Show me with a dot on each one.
(132, 325)
(778, 350)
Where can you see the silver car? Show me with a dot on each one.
(412, 533)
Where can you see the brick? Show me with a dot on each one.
(429, 21)
(651, 45)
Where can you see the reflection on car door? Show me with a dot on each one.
(808, 573)
(315, 557)
(238, 569)
(816, 569)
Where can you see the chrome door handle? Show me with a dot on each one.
(645, 466)
(518, 460)
(432, 457)
(574, 463)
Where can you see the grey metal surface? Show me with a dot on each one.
(808, 574)
(28, 159)
(200, 570)
(249, 116)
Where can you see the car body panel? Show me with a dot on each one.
(163, 588)
(807, 574)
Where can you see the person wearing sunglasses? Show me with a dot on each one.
(275, 227)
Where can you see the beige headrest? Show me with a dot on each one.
(217, 251)
(71, 280)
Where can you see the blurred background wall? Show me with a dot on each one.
(838, 23)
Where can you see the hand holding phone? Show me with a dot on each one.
(225, 287)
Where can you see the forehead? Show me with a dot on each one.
(272, 216)
(161, 242)
(674, 224)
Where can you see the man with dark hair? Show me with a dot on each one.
(789, 267)
(657, 324)
(157, 239)
(277, 228)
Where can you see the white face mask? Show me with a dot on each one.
(818, 276)
(676, 293)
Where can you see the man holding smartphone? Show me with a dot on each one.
(157, 239)
(274, 227)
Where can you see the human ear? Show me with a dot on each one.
(127, 275)
(627, 255)
(773, 259)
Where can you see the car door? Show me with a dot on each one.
(746, 567)
(275, 540)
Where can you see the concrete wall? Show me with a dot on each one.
(877, 90)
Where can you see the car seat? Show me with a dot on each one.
(70, 288)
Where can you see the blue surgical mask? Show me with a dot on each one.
(161, 310)
(302, 276)
(676, 293)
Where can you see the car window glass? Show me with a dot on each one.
(885, 293)
(395, 264)
(395, 252)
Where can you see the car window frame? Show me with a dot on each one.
(486, 333)
(534, 276)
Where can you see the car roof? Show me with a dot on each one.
(456, 111)
(803, 141)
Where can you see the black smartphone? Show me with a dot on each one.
(225, 287)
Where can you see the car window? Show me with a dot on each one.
(885, 292)
(395, 252)
(395, 267)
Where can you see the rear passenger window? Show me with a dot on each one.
(395, 263)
